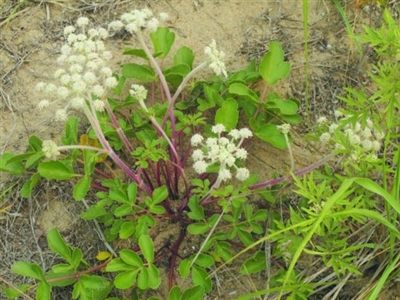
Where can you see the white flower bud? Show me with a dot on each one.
(218, 128)
(111, 82)
(43, 104)
(98, 90)
(245, 133)
(63, 92)
(224, 174)
(242, 174)
(41, 86)
(163, 16)
(284, 128)
(82, 22)
(98, 105)
(68, 30)
(241, 153)
(376, 146)
(116, 25)
(61, 115)
(196, 140)
(325, 137)
(77, 102)
(50, 149)
(322, 120)
(197, 155)
(200, 166)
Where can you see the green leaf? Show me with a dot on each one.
(140, 72)
(200, 277)
(29, 185)
(58, 245)
(205, 104)
(154, 277)
(260, 215)
(147, 247)
(175, 74)
(55, 170)
(118, 195)
(132, 192)
(160, 194)
(93, 282)
(272, 66)
(196, 210)
(285, 107)
(198, 228)
(163, 39)
(255, 264)
(212, 95)
(33, 159)
(126, 230)
(143, 279)
(271, 134)
(77, 258)
(184, 268)
(28, 269)
(157, 209)
(175, 293)
(43, 291)
(61, 268)
(194, 293)
(204, 260)
(117, 264)
(93, 212)
(245, 237)
(125, 279)
(135, 52)
(16, 292)
(15, 168)
(35, 143)
(82, 187)
(71, 132)
(228, 114)
(184, 55)
(131, 258)
(123, 210)
(61, 279)
(244, 92)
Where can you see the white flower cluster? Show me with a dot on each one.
(50, 149)
(367, 139)
(215, 59)
(140, 93)
(83, 71)
(222, 151)
(137, 20)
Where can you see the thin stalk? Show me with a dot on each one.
(297, 173)
(305, 25)
(161, 76)
(91, 115)
(120, 132)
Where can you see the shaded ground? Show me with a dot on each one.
(29, 43)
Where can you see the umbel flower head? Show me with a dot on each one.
(83, 75)
(137, 20)
(358, 139)
(221, 150)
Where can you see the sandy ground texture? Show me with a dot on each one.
(30, 38)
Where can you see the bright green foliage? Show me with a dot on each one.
(159, 203)
(133, 270)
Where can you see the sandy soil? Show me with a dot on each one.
(29, 44)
